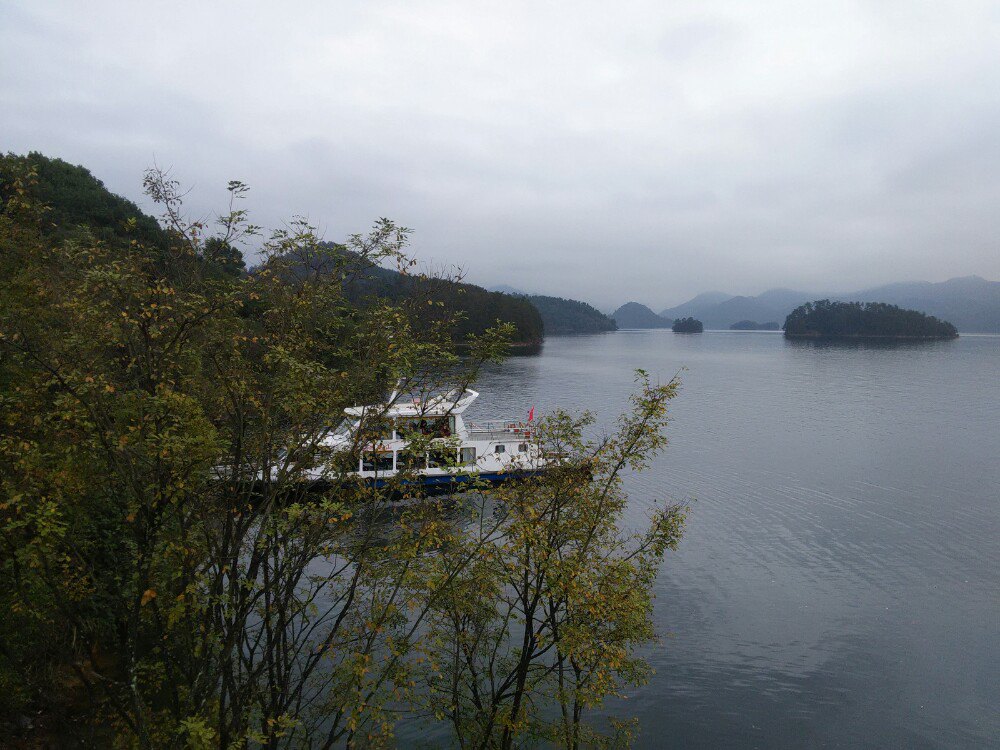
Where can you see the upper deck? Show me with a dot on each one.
(497, 429)
(451, 403)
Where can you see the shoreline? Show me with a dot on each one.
(866, 337)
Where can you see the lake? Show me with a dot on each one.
(838, 584)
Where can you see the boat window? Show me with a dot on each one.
(431, 426)
(381, 461)
(440, 458)
(407, 427)
(468, 456)
(522, 447)
(408, 461)
(377, 429)
(501, 448)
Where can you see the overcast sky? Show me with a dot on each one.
(597, 150)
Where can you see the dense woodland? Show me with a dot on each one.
(687, 325)
(176, 576)
(827, 319)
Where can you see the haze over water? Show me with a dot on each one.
(838, 584)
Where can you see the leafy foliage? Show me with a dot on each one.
(187, 555)
(864, 319)
(556, 595)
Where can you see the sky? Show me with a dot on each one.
(602, 151)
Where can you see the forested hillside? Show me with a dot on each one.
(562, 316)
(569, 316)
(476, 308)
(78, 205)
(77, 201)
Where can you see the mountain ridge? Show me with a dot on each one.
(971, 303)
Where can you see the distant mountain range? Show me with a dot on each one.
(971, 303)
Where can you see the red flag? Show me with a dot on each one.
(531, 413)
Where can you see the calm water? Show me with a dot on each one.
(839, 581)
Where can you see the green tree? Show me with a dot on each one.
(187, 552)
(156, 450)
(557, 595)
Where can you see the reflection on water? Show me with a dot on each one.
(838, 584)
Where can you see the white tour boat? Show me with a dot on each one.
(452, 451)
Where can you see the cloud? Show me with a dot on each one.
(608, 152)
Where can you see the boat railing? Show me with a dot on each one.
(500, 428)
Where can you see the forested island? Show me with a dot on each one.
(687, 325)
(864, 320)
(753, 325)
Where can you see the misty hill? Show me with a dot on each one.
(780, 299)
(477, 307)
(563, 317)
(723, 313)
(634, 315)
(971, 303)
(696, 305)
(568, 316)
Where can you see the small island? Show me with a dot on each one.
(687, 325)
(753, 325)
(864, 320)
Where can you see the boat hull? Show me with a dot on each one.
(454, 482)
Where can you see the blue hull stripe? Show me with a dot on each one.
(449, 479)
